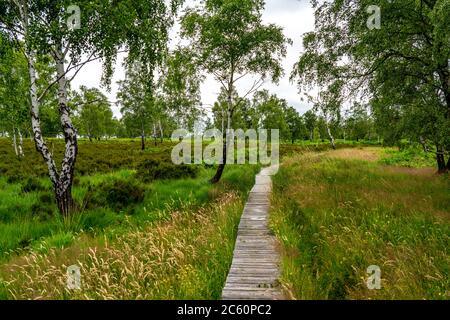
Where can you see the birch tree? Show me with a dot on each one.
(13, 103)
(231, 42)
(399, 68)
(74, 36)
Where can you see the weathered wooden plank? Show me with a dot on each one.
(255, 268)
(273, 294)
(250, 280)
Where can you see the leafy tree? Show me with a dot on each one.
(47, 28)
(295, 124)
(230, 42)
(180, 82)
(358, 124)
(244, 115)
(137, 102)
(401, 67)
(310, 123)
(270, 111)
(13, 103)
(94, 114)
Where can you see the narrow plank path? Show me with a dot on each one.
(255, 268)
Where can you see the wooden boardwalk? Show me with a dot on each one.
(255, 269)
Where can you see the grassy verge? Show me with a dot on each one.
(336, 215)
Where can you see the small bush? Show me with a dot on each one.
(45, 207)
(151, 169)
(412, 157)
(115, 194)
(99, 218)
(14, 176)
(32, 184)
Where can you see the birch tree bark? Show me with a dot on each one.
(330, 135)
(64, 185)
(20, 146)
(15, 142)
(61, 182)
(161, 131)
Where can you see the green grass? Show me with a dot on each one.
(412, 157)
(336, 217)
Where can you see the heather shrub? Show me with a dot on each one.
(115, 194)
(32, 184)
(152, 169)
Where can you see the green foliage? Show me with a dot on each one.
(401, 68)
(94, 158)
(118, 195)
(32, 184)
(99, 219)
(13, 83)
(180, 84)
(94, 116)
(45, 207)
(151, 169)
(412, 157)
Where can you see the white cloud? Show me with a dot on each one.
(296, 18)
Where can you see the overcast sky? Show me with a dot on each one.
(294, 16)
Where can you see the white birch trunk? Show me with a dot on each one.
(64, 187)
(35, 121)
(333, 145)
(161, 131)
(20, 147)
(154, 133)
(62, 182)
(15, 142)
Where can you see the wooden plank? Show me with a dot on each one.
(254, 270)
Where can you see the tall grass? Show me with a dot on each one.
(336, 217)
(186, 257)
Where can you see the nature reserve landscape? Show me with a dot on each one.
(224, 150)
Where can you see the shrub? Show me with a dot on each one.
(32, 184)
(45, 207)
(99, 218)
(152, 169)
(115, 194)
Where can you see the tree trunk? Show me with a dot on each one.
(222, 165)
(41, 147)
(15, 142)
(333, 145)
(161, 131)
(142, 140)
(21, 154)
(154, 134)
(442, 167)
(62, 183)
(423, 143)
(65, 181)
